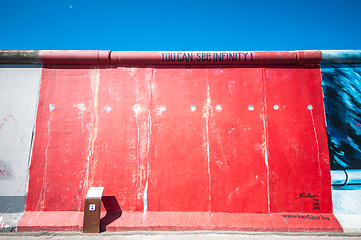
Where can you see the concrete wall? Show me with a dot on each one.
(189, 142)
(19, 87)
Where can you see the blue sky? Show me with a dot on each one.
(180, 25)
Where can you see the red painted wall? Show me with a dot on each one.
(297, 141)
(182, 139)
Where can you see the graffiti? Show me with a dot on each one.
(6, 119)
(207, 56)
(307, 216)
(5, 171)
(342, 91)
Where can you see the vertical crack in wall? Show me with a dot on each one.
(95, 79)
(137, 109)
(265, 127)
(82, 123)
(145, 196)
(151, 92)
(85, 183)
(220, 144)
(316, 139)
(95, 88)
(43, 193)
(208, 106)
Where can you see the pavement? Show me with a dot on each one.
(177, 235)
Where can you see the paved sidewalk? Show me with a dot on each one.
(197, 235)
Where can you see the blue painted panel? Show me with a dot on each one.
(342, 98)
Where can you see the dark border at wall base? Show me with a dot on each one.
(285, 222)
(12, 204)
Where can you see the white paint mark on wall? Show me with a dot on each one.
(265, 127)
(162, 108)
(224, 162)
(51, 109)
(316, 139)
(82, 109)
(231, 86)
(132, 71)
(95, 81)
(145, 196)
(95, 87)
(266, 159)
(136, 108)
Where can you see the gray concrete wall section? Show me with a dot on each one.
(19, 89)
(19, 57)
(347, 207)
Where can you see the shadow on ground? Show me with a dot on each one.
(113, 212)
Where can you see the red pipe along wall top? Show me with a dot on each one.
(60, 57)
(180, 57)
(207, 139)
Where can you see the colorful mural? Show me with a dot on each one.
(341, 81)
(342, 99)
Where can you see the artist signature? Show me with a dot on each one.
(309, 195)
